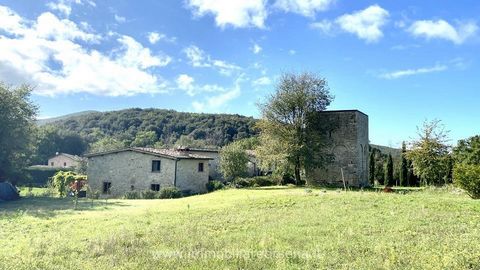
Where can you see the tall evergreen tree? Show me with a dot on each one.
(389, 171)
(404, 168)
(371, 169)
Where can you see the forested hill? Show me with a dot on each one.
(168, 125)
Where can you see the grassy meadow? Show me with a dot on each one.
(276, 227)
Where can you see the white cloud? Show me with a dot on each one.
(219, 102)
(262, 81)
(256, 49)
(134, 54)
(237, 13)
(119, 18)
(45, 54)
(366, 24)
(409, 72)
(198, 58)
(325, 26)
(443, 30)
(65, 6)
(154, 37)
(306, 8)
(187, 84)
(10, 22)
(292, 52)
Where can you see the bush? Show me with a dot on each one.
(170, 193)
(214, 185)
(264, 181)
(257, 181)
(467, 177)
(149, 194)
(131, 195)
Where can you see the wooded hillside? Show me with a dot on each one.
(168, 125)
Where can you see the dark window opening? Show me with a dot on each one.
(155, 187)
(51, 164)
(200, 167)
(132, 187)
(156, 165)
(64, 164)
(106, 187)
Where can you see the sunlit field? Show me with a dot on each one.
(277, 227)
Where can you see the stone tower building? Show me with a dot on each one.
(345, 137)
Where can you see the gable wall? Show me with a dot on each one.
(59, 160)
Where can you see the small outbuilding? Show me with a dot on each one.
(137, 169)
(64, 160)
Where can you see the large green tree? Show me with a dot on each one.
(233, 161)
(106, 144)
(430, 153)
(468, 151)
(287, 120)
(466, 172)
(17, 116)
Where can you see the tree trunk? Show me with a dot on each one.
(297, 172)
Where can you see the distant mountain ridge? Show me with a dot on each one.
(45, 121)
(395, 152)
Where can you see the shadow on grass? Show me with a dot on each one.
(48, 207)
(400, 190)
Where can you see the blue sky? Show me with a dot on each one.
(401, 62)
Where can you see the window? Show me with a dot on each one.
(155, 187)
(200, 167)
(51, 163)
(156, 165)
(132, 187)
(64, 164)
(106, 187)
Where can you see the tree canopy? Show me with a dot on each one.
(430, 153)
(17, 116)
(289, 139)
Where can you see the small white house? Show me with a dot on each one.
(63, 160)
(138, 169)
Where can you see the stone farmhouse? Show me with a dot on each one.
(138, 169)
(63, 160)
(345, 134)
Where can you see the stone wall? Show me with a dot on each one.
(345, 137)
(130, 170)
(189, 178)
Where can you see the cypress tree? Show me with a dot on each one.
(404, 168)
(389, 171)
(371, 168)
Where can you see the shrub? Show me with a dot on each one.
(467, 177)
(149, 194)
(170, 193)
(257, 181)
(264, 181)
(131, 195)
(242, 182)
(214, 185)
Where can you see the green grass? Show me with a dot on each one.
(285, 228)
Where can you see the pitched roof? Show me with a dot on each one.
(166, 153)
(73, 157)
(194, 149)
